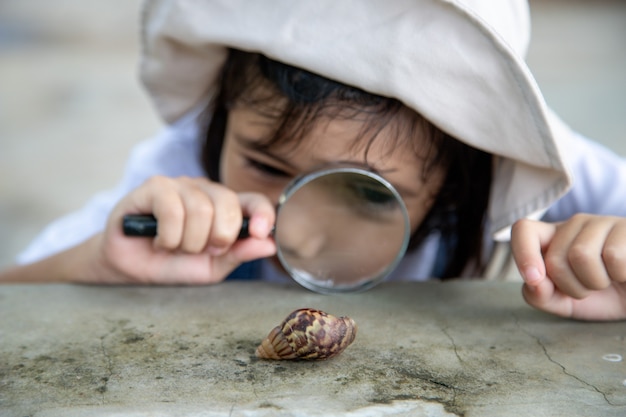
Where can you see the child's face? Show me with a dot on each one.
(245, 168)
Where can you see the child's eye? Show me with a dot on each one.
(369, 200)
(374, 196)
(373, 201)
(267, 169)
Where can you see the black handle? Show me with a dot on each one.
(145, 225)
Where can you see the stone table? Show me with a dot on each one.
(436, 349)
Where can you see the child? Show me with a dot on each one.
(432, 95)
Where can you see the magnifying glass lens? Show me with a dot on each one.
(341, 230)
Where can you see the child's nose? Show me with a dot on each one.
(301, 245)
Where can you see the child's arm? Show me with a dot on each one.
(72, 265)
(196, 240)
(575, 268)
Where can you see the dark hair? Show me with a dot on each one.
(298, 98)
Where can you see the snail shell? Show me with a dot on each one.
(308, 334)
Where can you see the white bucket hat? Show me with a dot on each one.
(458, 63)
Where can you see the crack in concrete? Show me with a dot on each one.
(454, 345)
(458, 356)
(452, 387)
(563, 368)
(109, 370)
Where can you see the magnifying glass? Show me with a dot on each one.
(340, 229)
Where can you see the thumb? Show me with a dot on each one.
(244, 250)
(259, 243)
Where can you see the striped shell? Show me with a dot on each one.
(308, 334)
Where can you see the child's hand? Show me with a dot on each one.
(576, 268)
(196, 242)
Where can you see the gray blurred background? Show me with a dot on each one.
(71, 106)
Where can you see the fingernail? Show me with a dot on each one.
(262, 226)
(532, 275)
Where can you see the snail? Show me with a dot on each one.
(308, 334)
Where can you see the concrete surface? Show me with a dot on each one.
(71, 106)
(460, 348)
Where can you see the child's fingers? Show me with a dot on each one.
(580, 247)
(160, 196)
(580, 259)
(528, 240)
(250, 249)
(559, 254)
(228, 209)
(242, 251)
(199, 216)
(194, 215)
(226, 217)
(546, 297)
(259, 244)
(539, 295)
(262, 214)
(614, 252)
